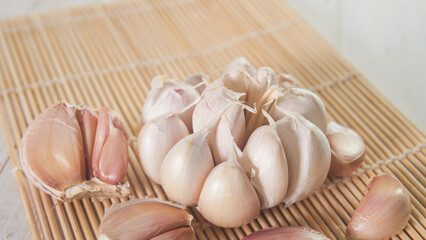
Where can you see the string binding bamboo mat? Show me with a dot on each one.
(106, 55)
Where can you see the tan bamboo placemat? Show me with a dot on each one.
(107, 55)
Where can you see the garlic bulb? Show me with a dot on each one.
(266, 156)
(305, 102)
(167, 96)
(145, 219)
(228, 199)
(289, 233)
(308, 155)
(199, 81)
(186, 167)
(155, 140)
(53, 153)
(347, 149)
(383, 212)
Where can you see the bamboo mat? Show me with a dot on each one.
(106, 55)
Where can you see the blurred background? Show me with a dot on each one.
(384, 39)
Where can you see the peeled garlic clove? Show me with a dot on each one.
(236, 74)
(305, 102)
(168, 96)
(265, 154)
(109, 158)
(347, 149)
(52, 152)
(383, 212)
(264, 79)
(199, 80)
(145, 219)
(155, 140)
(185, 168)
(88, 120)
(231, 127)
(286, 233)
(308, 155)
(213, 103)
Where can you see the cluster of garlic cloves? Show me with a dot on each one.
(256, 139)
(75, 152)
(146, 219)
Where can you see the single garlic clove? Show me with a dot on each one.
(52, 152)
(308, 155)
(88, 120)
(264, 79)
(238, 74)
(145, 219)
(168, 96)
(265, 154)
(289, 233)
(231, 127)
(199, 80)
(228, 199)
(213, 104)
(155, 140)
(109, 158)
(186, 167)
(383, 212)
(347, 149)
(303, 101)
(286, 81)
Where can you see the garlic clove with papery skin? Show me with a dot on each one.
(238, 74)
(155, 140)
(88, 120)
(109, 158)
(308, 155)
(289, 233)
(383, 212)
(347, 149)
(200, 81)
(168, 96)
(265, 154)
(145, 219)
(303, 101)
(264, 79)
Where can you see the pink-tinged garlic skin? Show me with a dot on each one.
(183, 233)
(88, 120)
(383, 212)
(109, 158)
(56, 129)
(288, 233)
(347, 149)
(145, 219)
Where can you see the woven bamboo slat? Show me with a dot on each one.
(106, 55)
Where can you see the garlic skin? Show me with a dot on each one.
(290, 233)
(54, 139)
(109, 158)
(186, 167)
(265, 154)
(167, 96)
(347, 149)
(303, 101)
(228, 199)
(383, 212)
(145, 219)
(308, 155)
(200, 81)
(155, 140)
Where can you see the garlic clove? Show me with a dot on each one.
(145, 219)
(228, 199)
(289, 233)
(52, 152)
(199, 81)
(183, 233)
(237, 75)
(305, 102)
(88, 120)
(168, 96)
(155, 140)
(347, 149)
(231, 127)
(383, 212)
(213, 103)
(186, 167)
(264, 79)
(265, 154)
(109, 158)
(308, 155)
(286, 81)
